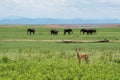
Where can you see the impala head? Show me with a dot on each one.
(78, 49)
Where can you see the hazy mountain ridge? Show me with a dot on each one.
(58, 21)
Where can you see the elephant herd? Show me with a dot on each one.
(66, 31)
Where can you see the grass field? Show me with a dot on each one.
(28, 57)
(44, 34)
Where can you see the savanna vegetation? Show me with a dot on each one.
(29, 57)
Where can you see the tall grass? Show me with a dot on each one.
(43, 64)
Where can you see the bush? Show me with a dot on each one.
(117, 60)
(5, 59)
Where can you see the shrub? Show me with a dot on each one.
(5, 59)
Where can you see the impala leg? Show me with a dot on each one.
(87, 60)
(79, 61)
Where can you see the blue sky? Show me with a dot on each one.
(63, 9)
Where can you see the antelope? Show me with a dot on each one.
(80, 56)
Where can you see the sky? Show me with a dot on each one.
(62, 9)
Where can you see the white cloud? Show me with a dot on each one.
(60, 8)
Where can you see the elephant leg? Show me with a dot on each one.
(87, 33)
(68, 32)
(91, 33)
(83, 32)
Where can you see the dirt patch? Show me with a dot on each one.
(64, 41)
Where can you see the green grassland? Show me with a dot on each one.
(44, 60)
(44, 34)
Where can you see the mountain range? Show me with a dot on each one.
(58, 21)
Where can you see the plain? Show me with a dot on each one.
(45, 57)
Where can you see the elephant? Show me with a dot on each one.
(54, 32)
(83, 31)
(88, 31)
(69, 31)
(31, 30)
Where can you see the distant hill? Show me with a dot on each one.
(58, 21)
